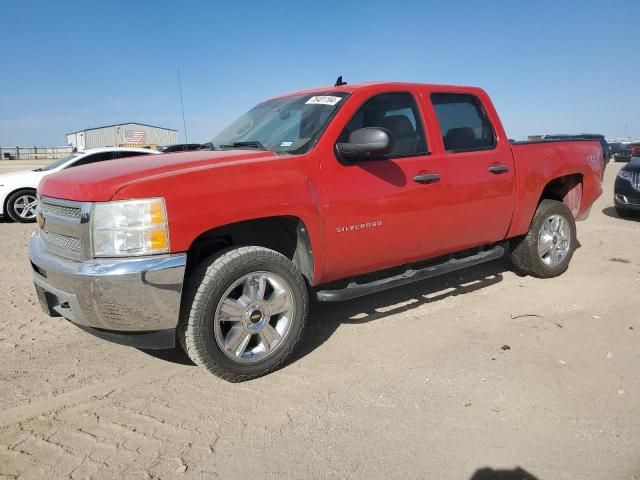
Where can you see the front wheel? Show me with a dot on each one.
(243, 313)
(546, 250)
(21, 206)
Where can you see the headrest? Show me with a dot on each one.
(459, 138)
(399, 125)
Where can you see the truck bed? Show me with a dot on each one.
(539, 161)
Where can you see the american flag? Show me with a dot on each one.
(133, 136)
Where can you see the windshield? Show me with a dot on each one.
(58, 162)
(282, 125)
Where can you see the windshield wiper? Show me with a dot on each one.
(248, 144)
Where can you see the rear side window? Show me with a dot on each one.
(463, 122)
(398, 113)
(96, 157)
(122, 154)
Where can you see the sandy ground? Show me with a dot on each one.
(469, 376)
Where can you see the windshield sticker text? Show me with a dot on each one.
(323, 100)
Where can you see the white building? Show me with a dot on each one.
(131, 134)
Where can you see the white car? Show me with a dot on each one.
(18, 189)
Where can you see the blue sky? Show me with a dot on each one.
(550, 67)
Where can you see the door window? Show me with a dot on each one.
(399, 115)
(463, 122)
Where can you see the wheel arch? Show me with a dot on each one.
(287, 235)
(566, 189)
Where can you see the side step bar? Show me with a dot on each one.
(355, 290)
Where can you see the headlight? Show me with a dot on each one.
(624, 174)
(129, 228)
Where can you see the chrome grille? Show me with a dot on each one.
(65, 242)
(635, 180)
(61, 211)
(66, 227)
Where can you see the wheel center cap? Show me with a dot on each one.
(255, 316)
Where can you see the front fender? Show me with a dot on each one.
(203, 200)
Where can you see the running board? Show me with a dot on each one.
(355, 290)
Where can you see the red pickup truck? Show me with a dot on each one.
(333, 193)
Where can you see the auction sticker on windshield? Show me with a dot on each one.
(323, 100)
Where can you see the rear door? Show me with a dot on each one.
(478, 171)
(376, 213)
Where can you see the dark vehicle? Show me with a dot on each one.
(615, 147)
(606, 153)
(626, 152)
(180, 147)
(627, 189)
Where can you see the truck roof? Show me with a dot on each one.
(350, 88)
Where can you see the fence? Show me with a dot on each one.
(32, 153)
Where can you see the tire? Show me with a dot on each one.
(16, 202)
(525, 253)
(625, 212)
(203, 331)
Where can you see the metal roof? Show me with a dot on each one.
(121, 124)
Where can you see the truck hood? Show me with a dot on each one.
(99, 182)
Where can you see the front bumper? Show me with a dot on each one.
(132, 301)
(625, 196)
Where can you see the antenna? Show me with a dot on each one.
(339, 82)
(184, 122)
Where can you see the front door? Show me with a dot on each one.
(385, 212)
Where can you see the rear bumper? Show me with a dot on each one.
(133, 301)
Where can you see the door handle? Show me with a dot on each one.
(498, 169)
(427, 178)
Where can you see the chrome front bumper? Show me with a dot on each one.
(133, 301)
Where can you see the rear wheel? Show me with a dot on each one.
(546, 250)
(244, 312)
(21, 206)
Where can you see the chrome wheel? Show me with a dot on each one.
(554, 240)
(25, 206)
(254, 316)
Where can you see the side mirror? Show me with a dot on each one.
(366, 143)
